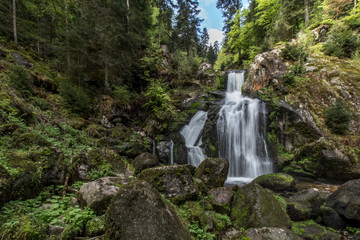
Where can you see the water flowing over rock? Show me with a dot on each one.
(139, 212)
(241, 129)
(192, 135)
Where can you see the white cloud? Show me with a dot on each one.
(207, 2)
(215, 35)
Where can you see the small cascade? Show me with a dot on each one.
(241, 129)
(192, 135)
(153, 147)
(171, 152)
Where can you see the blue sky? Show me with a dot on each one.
(213, 20)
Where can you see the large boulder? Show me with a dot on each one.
(213, 172)
(345, 201)
(271, 233)
(278, 182)
(175, 181)
(139, 212)
(144, 161)
(98, 194)
(265, 67)
(221, 199)
(332, 219)
(255, 207)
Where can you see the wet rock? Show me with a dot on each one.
(20, 60)
(271, 233)
(180, 153)
(98, 194)
(144, 161)
(332, 219)
(265, 67)
(139, 212)
(255, 207)
(213, 172)
(163, 150)
(345, 201)
(209, 135)
(310, 230)
(174, 181)
(278, 182)
(221, 199)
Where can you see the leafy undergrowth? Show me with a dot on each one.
(30, 219)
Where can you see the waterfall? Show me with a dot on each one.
(171, 152)
(192, 135)
(241, 129)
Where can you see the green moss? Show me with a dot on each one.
(308, 229)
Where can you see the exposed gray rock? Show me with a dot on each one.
(20, 60)
(139, 212)
(98, 194)
(144, 161)
(221, 199)
(265, 67)
(55, 230)
(345, 201)
(213, 172)
(271, 233)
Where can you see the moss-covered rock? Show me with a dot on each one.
(213, 172)
(310, 230)
(278, 182)
(95, 227)
(144, 161)
(298, 211)
(175, 181)
(139, 212)
(255, 207)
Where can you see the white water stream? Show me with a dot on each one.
(192, 135)
(241, 129)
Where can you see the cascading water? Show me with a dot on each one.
(171, 152)
(192, 135)
(241, 129)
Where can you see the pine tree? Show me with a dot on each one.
(203, 43)
(165, 14)
(229, 9)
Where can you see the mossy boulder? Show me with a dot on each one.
(98, 194)
(345, 201)
(213, 172)
(271, 233)
(332, 219)
(175, 181)
(298, 211)
(255, 207)
(310, 230)
(95, 227)
(144, 161)
(139, 212)
(278, 182)
(221, 199)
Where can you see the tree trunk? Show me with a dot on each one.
(306, 3)
(67, 35)
(14, 21)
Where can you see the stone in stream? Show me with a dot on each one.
(213, 172)
(255, 207)
(277, 182)
(139, 212)
(174, 181)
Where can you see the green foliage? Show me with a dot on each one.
(199, 233)
(101, 171)
(75, 99)
(123, 95)
(186, 65)
(338, 117)
(29, 220)
(21, 80)
(341, 41)
(294, 52)
(158, 99)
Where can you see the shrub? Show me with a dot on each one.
(75, 99)
(341, 41)
(338, 117)
(294, 52)
(123, 95)
(21, 80)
